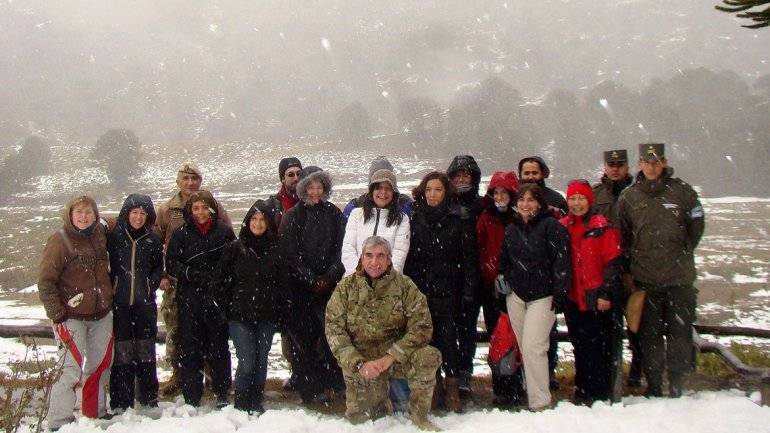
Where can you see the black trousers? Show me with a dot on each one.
(590, 333)
(202, 335)
(135, 329)
(467, 333)
(315, 367)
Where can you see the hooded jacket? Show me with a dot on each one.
(490, 229)
(74, 279)
(661, 222)
(443, 256)
(170, 216)
(468, 199)
(246, 280)
(552, 197)
(535, 258)
(191, 256)
(136, 262)
(597, 259)
(311, 240)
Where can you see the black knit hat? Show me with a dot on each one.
(286, 164)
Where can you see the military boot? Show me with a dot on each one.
(419, 406)
(437, 402)
(173, 385)
(452, 397)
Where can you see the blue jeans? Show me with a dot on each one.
(252, 345)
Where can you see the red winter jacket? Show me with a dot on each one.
(596, 259)
(490, 229)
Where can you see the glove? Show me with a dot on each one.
(557, 304)
(61, 319)
(322, 285)
(501, 286)
(467, 302)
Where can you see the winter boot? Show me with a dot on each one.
(221, 401)
(452, 398)
(420, 404)
(635, 372)
(437, 402)
(256, 395)
(465, 383)
(173, 385)
(242, 401)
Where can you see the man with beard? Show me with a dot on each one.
(533, 169)
(289, 170)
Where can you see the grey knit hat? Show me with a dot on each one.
(384, 176)
(379, 163)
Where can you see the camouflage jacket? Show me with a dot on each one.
(661, 222)
(363, 323)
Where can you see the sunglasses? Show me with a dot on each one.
(292, 174)
(578, 182)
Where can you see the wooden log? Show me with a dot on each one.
(43, 331)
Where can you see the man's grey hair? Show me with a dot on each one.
(376, 241)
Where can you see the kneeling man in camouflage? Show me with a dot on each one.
(378, 327)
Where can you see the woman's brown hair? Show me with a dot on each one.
(418, 193)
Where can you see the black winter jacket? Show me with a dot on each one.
(535, 258)
(246, 281)
(192, 256)
(311, 245)
(136, 262)
(443, 258)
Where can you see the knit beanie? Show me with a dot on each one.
(286, 164)
(379, 163)
(582, 187)
(383, 176)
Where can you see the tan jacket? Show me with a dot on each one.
(170, 216)
(74, 278)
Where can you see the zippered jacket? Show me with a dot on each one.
(356, 231)
(136, 262)
(535, 257)
(661, 222)
(597, 259)
(74, 278)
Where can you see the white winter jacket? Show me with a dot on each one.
(357, 231)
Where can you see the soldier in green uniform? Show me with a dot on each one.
(614, 181)
(661, 222)
(378, 326)
(606, 194)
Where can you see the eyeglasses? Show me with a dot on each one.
(292, 174)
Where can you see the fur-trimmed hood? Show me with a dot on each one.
(317, 176)
(74, 201)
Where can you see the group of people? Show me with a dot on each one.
(383, 295)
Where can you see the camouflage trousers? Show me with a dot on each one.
(170, 314)
(368, 399)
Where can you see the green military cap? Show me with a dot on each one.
(651, 151)
(619, 155)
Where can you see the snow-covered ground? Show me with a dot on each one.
(703, 412)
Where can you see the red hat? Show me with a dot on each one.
(582, 187)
